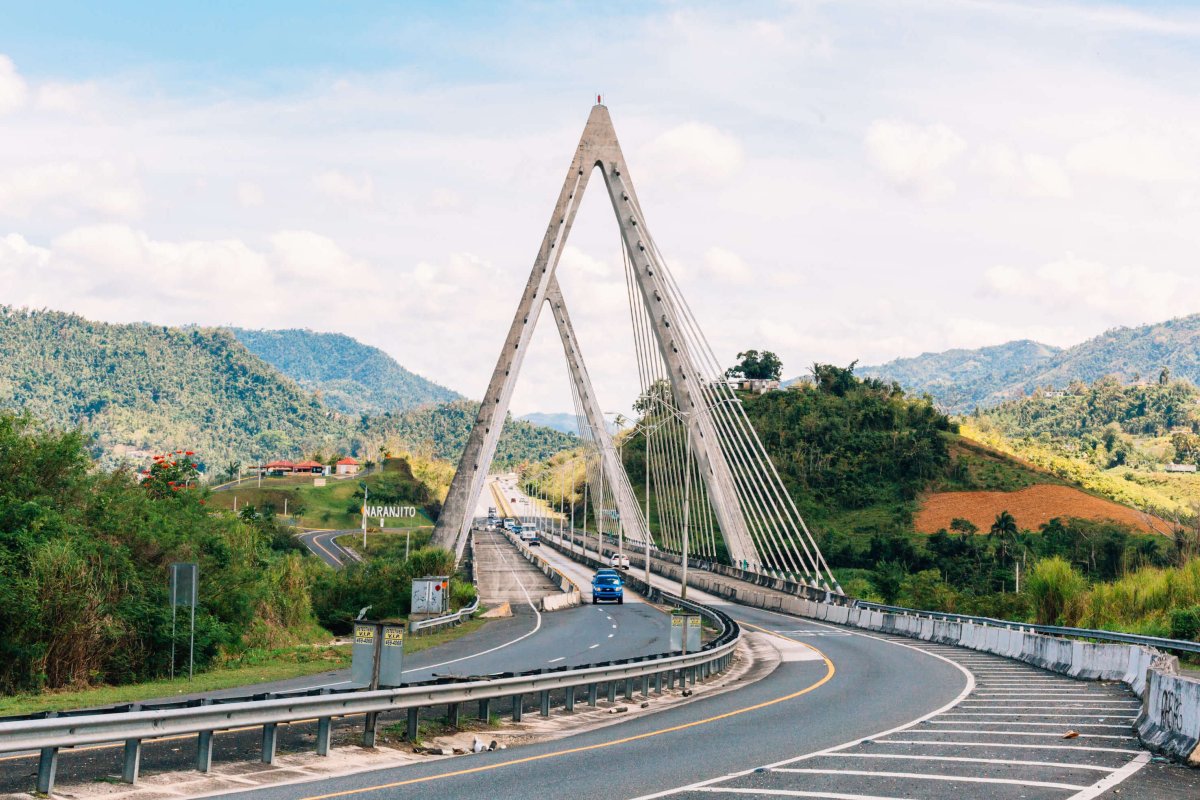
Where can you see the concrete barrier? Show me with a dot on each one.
(570, 597)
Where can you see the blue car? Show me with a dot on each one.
(608, 587)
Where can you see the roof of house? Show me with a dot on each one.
(348, 460)
(309, 464)
(275, 464)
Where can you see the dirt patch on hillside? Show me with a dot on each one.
(1032, 507)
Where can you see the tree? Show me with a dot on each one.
(963, 526)
(1005, 530)
(1164, 376)
(834, 380)
(755, 365)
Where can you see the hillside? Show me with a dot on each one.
(561, 422)
(441, 431)
(345, 374)
(960, 380)
(140, 389)
(1112, 438)
(137, 389)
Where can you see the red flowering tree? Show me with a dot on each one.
(171, 473)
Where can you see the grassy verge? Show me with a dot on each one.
(248, 669)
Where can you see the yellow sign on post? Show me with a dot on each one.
(393, 637)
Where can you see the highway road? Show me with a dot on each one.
(324, 546)
(848, 714)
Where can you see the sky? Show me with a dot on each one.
(833, 181)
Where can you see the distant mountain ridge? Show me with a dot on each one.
(347, 375)
(960, 380)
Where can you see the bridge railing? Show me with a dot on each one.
(134, 724)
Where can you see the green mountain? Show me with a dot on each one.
(347, 375)
(960, 380)
(442, 431)
(562, 422)
(140, 389)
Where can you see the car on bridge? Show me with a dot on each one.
(619, 561)
(608, 587)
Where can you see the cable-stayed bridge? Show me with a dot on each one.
(711, 473)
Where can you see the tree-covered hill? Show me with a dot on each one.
(347, 375)
(442, 430)
(137, 389)
(960, 380)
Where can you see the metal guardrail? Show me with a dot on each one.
(447, 619)
(812, 593)
(133, 724)
(1158, 642)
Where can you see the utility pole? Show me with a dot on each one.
(366, 494)
(687, 496)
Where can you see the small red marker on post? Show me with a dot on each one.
(598, 100)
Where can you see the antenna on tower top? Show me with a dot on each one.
(599, 100)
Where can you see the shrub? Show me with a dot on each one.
(1054, 587)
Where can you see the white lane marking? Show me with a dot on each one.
(1039, 716)
(1013, 746)
(1021, 733)
(1039, 724)
(795, 793)
(702, 786)
(593, 647)
(537, 626)
(1104, 784)
(965, 760)
(614, 625)
(610, 636)
(555, 660)
(327, 685)
(919, 776)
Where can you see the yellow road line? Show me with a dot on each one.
(829, 673)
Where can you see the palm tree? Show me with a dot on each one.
(1005, 530)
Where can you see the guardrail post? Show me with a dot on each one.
(133, 760)
(545, 703)
(324, 729)
(204, 746)
(629, 688)
(453, 714)
(268, 743)
(47, 768)
(658, 683)
(645, 686)
(485, 710)
(612, 691)
(516, 709)
(592, 691)
(410, 731)
(570, 698)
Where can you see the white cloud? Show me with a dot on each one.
(339, 186)
(250, 195)
(1023, 174)
(577, 262)
(65, 98)
(1120, 294)
(1150, 153)
(726, 266)
(12, 87)
(692, 153)
(67, 188)
(915, 157)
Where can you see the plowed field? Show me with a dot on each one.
(1032, 507)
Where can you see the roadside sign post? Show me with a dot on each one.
(366, 494)
(377, 661)
(685, 632)
(184, 580)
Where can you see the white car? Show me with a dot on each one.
(619, 561)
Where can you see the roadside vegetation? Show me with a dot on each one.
(84, 560)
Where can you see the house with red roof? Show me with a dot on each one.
(311, 467)
(348, 466)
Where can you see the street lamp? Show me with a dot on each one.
(688, 417)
